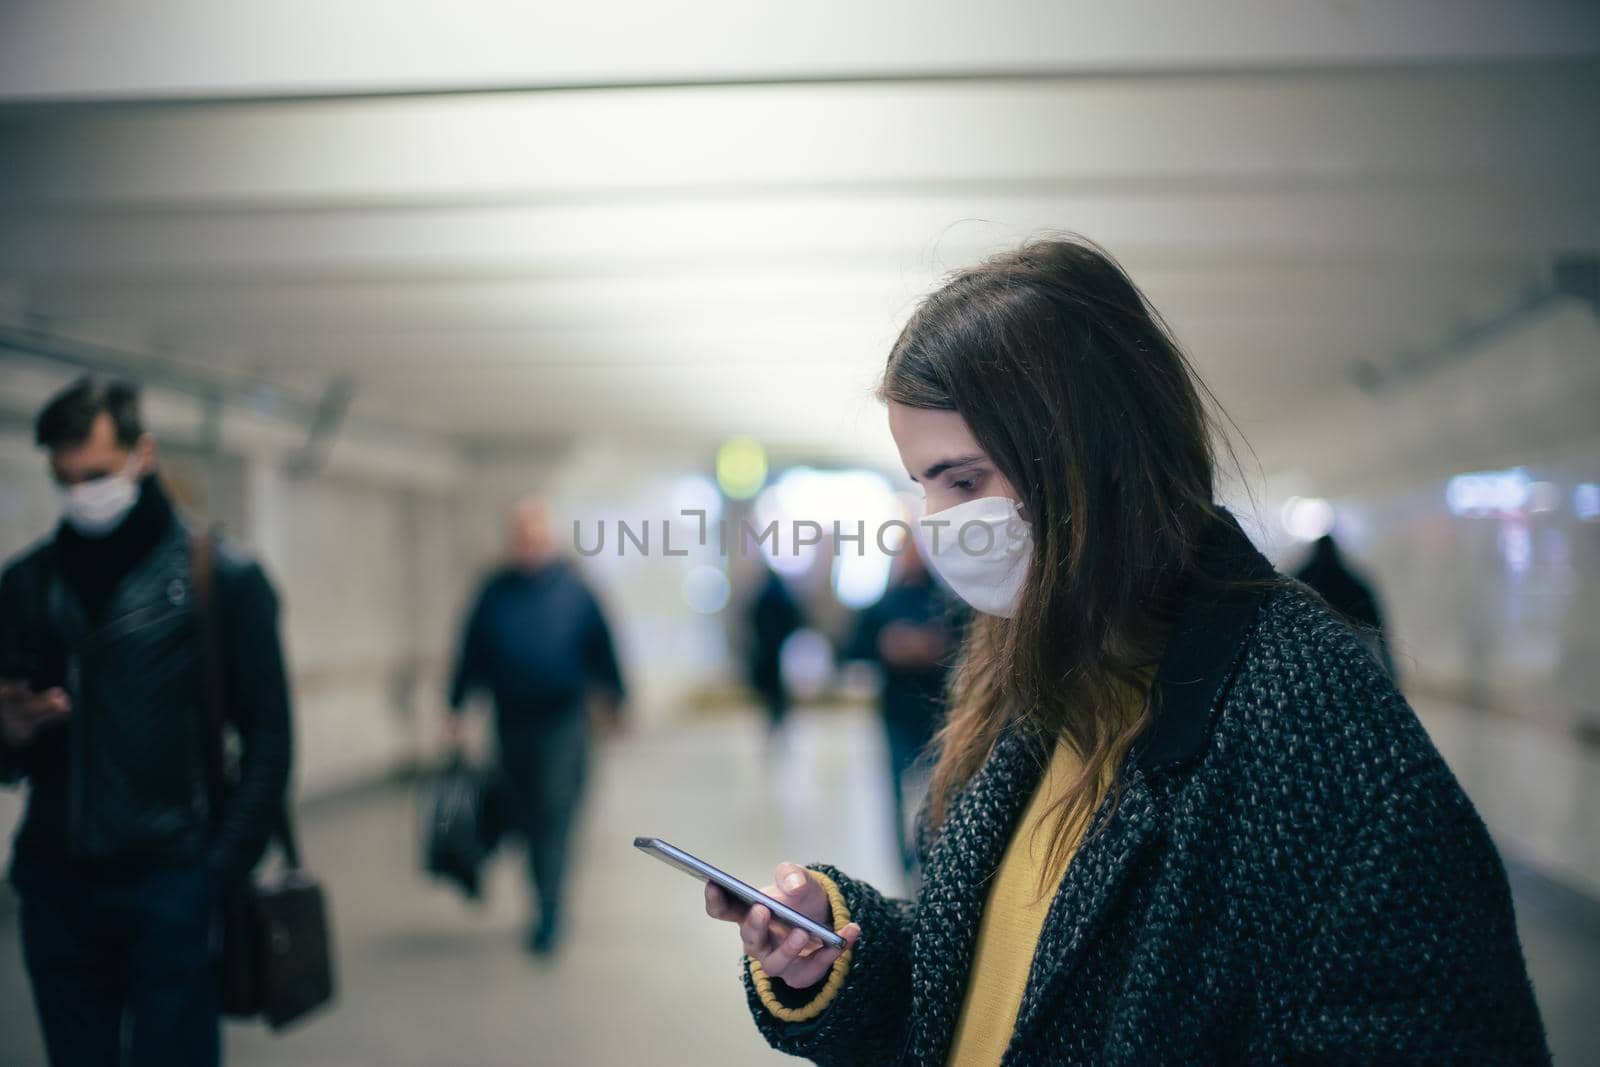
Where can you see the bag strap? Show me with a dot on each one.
(203, 577)
(283, 826)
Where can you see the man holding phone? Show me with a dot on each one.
(124, 848)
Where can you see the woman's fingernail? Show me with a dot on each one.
(794, 881)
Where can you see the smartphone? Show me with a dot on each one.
(700, 869)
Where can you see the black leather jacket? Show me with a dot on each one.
(124, 784)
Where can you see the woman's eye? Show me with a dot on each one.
(965, 485)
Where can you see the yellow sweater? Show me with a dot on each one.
(1012, 919)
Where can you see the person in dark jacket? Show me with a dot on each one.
(1349, 594)
(911, 634)
(537, 641)
(125, 848)
(773, 617)
(1179, 813)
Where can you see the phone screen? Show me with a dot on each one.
(703, 871)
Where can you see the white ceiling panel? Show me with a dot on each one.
(679, 264)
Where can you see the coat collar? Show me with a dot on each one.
(1203, 648)
(160, 576)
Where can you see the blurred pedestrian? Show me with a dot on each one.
(773, 617)
(537, 641)
(124, 851)
(911, 633)
(1349, 594)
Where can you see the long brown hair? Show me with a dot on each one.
(1073, 386)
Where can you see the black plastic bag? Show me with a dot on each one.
(455, 848)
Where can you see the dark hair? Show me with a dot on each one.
(1071, 383)
(69, 416)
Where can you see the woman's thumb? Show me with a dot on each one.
(801, 891)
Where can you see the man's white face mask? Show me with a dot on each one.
(95, 508)
(981, 549)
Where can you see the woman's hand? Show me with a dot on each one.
(792, 955)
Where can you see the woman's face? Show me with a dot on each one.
(942, 457)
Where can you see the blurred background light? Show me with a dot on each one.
(855, 506)
(782, 550)
(807, 664)
(1306, 518)
(1516, 546)
(696, 492)
(741, 467)
(705, 589)
(1488, 492)
(1586, 501)
(1543, 498)
(859, 581)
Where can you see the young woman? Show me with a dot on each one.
(1179, 814)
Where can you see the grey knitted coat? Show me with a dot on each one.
(1292, 875)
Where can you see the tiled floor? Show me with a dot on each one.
(648, 980)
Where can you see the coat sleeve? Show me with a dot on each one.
(1413, 955)
(26, 654)
(258, 700)
(865, 1021)
(11, 665)
(600, 655)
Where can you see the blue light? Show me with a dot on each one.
(1586, 502)
(1488, 492)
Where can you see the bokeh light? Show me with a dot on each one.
(1306, 518)
(741, 467)
(705, 589)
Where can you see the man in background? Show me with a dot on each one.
(125, 848)
(537, 642)
(912, 634)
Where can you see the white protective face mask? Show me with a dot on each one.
(95, 508)
(981, 549)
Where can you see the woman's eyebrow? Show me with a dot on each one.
(945, 464)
